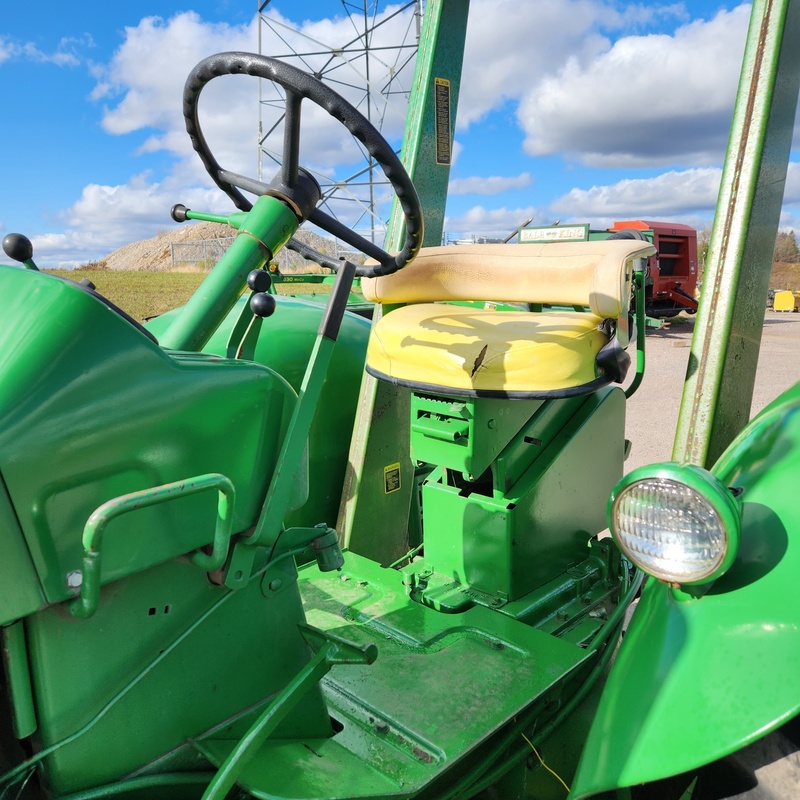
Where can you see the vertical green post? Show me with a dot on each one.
(428, 138)
(722, 364)
(380, 475)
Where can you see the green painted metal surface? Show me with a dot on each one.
(85, 605)
(465, 434)
(469, 675)
(170, 656)
(21, 591)
(262, 233)
(277, 503)
(431, 121)
(329, 650)
(506, 541)
(640, 326)
(175, 684)
(83, 419)
(720, 668)
(17, 678)
(722, 363)
(284, 344)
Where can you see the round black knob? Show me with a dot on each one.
(178, 212)
(18, 247)
(259, 280)
(262, 304)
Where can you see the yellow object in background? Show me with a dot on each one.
(786, 301)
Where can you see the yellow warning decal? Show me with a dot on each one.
(391, 478)
(444, 153)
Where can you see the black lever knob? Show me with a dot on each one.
(18, 247)
(259, 280)
(262, 304)
(178, 212)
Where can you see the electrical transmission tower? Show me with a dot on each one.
(366, 52)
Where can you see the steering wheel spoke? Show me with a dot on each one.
(348, 235)
(292, 182)
(243, 182)
(291, 139)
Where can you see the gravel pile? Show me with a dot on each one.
(155, 254)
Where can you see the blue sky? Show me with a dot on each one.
(579, 110)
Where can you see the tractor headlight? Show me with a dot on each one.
(676, 522)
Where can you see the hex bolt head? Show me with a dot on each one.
(74, 579)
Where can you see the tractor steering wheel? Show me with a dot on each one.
(299, 86)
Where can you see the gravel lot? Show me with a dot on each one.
(653, 409)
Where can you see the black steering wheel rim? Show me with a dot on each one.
(300, 86)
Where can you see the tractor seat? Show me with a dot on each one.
(573, 346)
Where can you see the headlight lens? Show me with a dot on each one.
(675, 522)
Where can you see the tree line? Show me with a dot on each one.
(786, 250)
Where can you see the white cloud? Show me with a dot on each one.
(144, 84)
(791, 195)
(479, 219)
(510, 45)
(494, 184)
(509, 42)
(68, 53)
(143, 88)
(146, 75)
(687, 196)
(654, 99)
(670, 196)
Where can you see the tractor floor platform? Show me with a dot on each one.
(442, 685)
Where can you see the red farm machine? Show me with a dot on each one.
(672, 272)
(671, 275)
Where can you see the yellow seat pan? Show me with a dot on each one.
(435, 345)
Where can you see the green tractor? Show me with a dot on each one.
(263, 549)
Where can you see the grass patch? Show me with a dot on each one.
(148, 294)
(140, 294)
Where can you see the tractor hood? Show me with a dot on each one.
(698, 679)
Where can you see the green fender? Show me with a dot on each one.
(697, 679)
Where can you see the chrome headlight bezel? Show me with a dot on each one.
(689, 511)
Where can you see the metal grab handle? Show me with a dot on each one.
(88, 599)
(639, 277)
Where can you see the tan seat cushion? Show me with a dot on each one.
(594, 274)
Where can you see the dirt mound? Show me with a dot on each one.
(200, 246)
